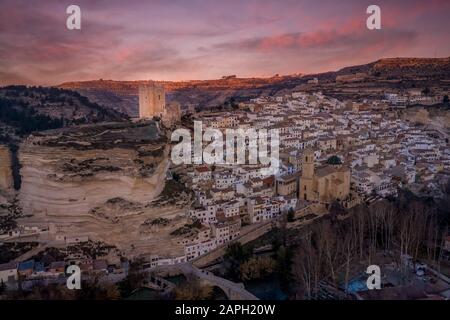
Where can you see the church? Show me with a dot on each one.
(323, 184)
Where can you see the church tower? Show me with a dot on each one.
(308, 164)
(307, 178)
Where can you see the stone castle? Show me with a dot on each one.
(324, 184)
(152, 101)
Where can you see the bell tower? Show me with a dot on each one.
(308, 164)
(307, 178)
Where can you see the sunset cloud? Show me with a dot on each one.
(196, 39)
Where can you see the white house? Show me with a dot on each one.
(8, 272)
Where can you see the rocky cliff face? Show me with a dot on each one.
(100, 181)
(435, 68)
(437, 117)
(104, 181)
(6, 180)
(70, 172)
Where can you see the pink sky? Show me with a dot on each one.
(206, 39)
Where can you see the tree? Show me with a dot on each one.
(446, 100)
(406, 225)
(329, 242)
(283, 259)
(193, 290)
(236, 251)
(112, 292)
(95, 290)
(51, 292)
(133, 280)
(176, 176)
(235, 255)
(291, 215)
(257, 268)
(2, 287)
(233, 103)
(306, 267)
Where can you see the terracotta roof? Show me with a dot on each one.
(202, 169)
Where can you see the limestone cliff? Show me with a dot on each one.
(100, 181)
(70, 172)
(6, 179)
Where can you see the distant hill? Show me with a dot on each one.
(122, 95)
(396, 68)
(27, 109)
(436, 68)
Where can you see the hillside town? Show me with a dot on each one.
(332, 152)
(223, 158)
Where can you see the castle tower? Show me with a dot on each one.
(307, 178)
(152, 101)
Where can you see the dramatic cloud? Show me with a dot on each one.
(200, 39)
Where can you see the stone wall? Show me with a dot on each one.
(64, 182)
